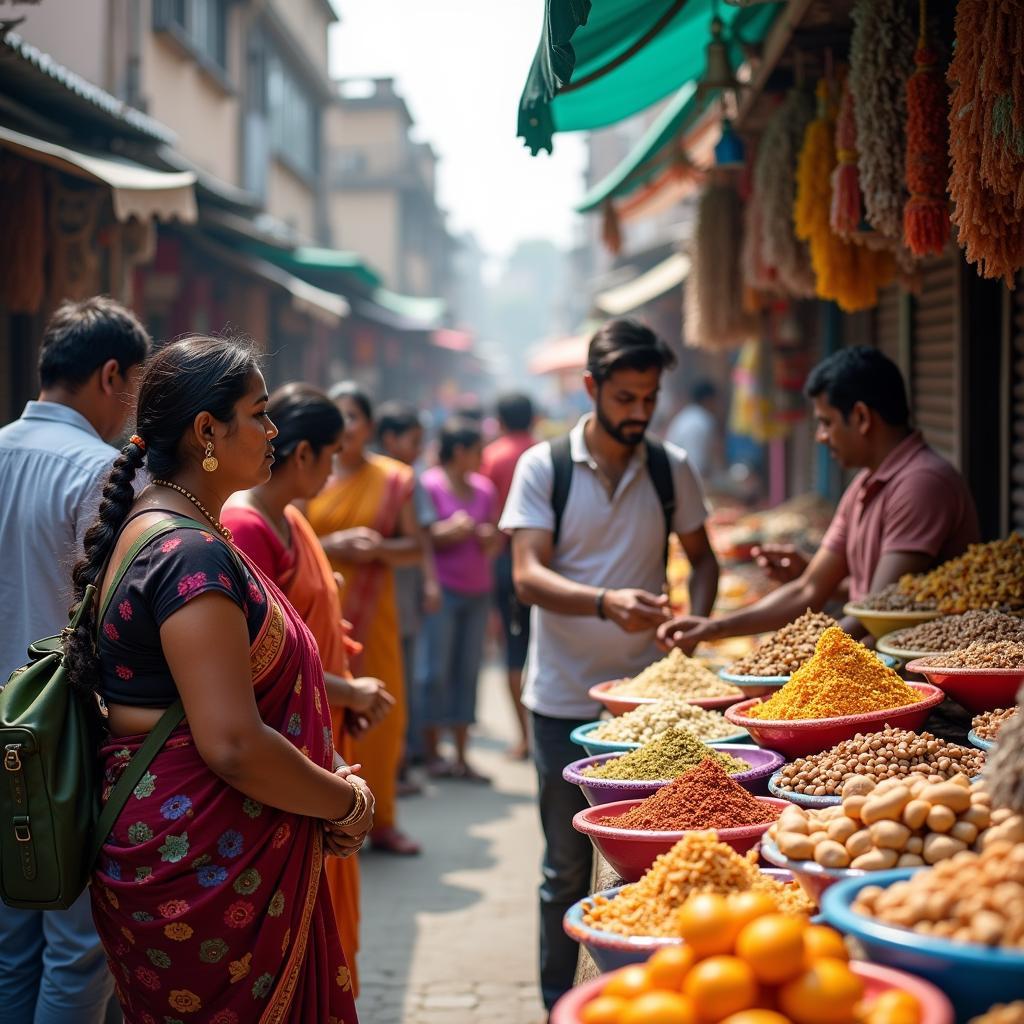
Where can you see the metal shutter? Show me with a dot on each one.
(887, 322)
(1016, 409)
(934, 358)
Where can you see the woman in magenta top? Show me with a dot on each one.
(465, 542)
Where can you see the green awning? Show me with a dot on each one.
(306, 259)
(429, 311)
(600, 62)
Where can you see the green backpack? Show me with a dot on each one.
(51, 828)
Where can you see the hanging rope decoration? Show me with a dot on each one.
(847, 208)
(926, 215)
(714, 316)
(775, 190)
(881, 58)
(986, 135)
(845, 272)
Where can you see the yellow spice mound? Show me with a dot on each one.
(842, 677)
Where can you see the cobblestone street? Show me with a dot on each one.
(450, 937)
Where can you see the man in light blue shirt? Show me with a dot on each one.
(53, 465)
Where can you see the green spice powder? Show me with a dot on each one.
(667, 757)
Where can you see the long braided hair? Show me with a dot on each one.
(193, 375)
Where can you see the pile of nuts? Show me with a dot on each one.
(896, 823)
(998, 654)
(648, 721)
(987, 725)
(887, 754)
(1002, 1013)
(782, 653)
(893, 599)
(677, 676)
(975, 897)
(953, 631)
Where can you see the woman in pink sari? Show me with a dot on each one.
(209, 894)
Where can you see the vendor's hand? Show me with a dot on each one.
(431, 596)
(358, 545)
(780, 562)
(635, 611)
(685, 632)
(369, 699)
(459, 526)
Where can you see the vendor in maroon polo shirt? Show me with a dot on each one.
(906, 511)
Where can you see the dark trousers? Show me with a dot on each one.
(567, 853)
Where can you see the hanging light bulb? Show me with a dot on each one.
(729, 150)
(718, 73)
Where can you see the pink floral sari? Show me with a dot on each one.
(212, 907)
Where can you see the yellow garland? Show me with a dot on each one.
(848, 273)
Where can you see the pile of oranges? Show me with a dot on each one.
(743, 962)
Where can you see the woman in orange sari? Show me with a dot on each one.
(276, 536)
(367, 525)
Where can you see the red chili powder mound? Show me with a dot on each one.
(704, 797)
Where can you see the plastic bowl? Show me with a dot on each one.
(620, 705)
(973, 976)
(904, 654)
(976, 741)
(813, 735)
(763, 763)
(761, 686)
(878, 623)
(611, 951)
(977, 689)
(632, 851)
(800, 799)
(935, 1007)
(813, 878)
(581, 735)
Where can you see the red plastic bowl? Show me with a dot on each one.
(935, 1007)
(977, 689)
(632, 851)
(812, 735)
(620, 705)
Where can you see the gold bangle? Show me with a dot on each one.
(358, 809)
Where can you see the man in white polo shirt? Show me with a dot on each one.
(589, 520)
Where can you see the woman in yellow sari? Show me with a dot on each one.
(276, 536)
(367, 525)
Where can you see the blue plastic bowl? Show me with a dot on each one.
(976, 741)
(768, 683)
(973, 976)
(800, 799)
(581, 735)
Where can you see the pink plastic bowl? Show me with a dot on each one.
(620, 705)
(935, 1007)
(632, 851)
(977, 689)
(813, 735)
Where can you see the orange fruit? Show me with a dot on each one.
(628, 982)
(773, 946)
(659, 1008)
(820, 940)
(756, 1017)
(721, 985)
(826, 993)
(603, 1010)
(706, 924)
(894, 1007)
(668, 967)
(745, 906)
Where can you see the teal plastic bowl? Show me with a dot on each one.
(581, 735)
(976, 741)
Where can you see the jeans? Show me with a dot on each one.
(567, 853)
(452, 652)
(52, 967)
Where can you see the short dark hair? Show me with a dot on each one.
(351, 390)
(515, 411)
(459, 432)
(82, 336)
(861, 374)
(626, 344)
(302, 412)
(397, 418)
(702, 390)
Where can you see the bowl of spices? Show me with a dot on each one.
(673, 677)
(982, 676)
(951, 632)
(985, 727)
(629, 834)
(842, 689)
(588, 736)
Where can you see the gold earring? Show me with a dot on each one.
(210, 463)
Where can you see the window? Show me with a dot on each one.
(293, 117)
(200, 24)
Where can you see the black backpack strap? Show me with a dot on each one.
(660, 470)
(561, 463)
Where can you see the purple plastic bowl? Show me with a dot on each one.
(763, 764)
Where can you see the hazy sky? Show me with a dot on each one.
(460, 65)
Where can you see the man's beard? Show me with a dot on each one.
(629, 432)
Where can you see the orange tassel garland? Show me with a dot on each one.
(847, 209)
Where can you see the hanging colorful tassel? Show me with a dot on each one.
(847, 209)
(611, 233)
(926, 215)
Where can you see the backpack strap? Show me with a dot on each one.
(561, 463)
(660, 471)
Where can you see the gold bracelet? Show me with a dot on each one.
(358, 809)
